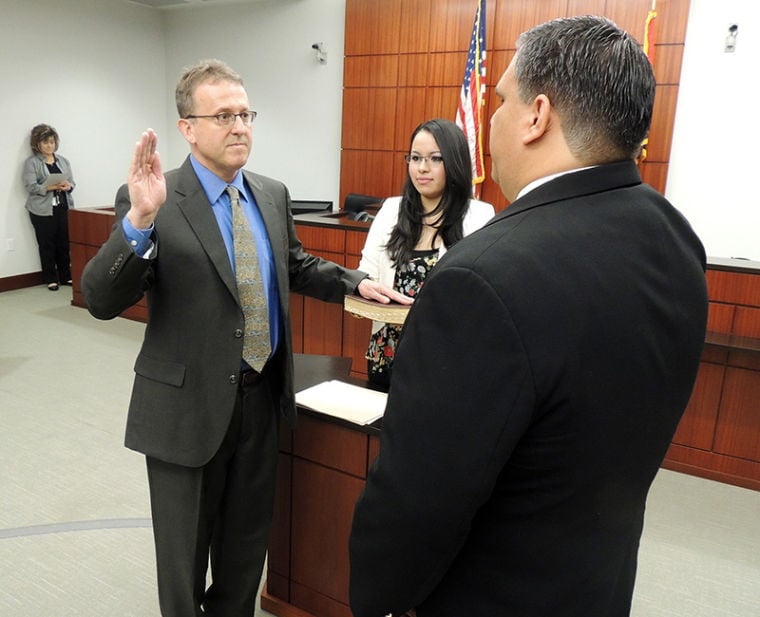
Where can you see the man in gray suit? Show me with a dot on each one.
(206, 421)
(545, 364)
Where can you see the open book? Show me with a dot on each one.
(342, 400)
(389, 313)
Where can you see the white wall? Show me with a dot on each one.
(95, 71)
(714, 158)
(296, 136)
(101, 71)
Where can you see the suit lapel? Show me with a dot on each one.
(193, 203)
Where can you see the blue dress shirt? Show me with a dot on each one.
(215, 189)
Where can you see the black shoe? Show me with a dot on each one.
(53, 286)
(67, 283)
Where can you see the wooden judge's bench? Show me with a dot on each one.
(324, 462)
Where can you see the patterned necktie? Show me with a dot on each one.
(256, 345)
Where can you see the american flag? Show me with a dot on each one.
(472, 96)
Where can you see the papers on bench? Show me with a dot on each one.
(342, 400)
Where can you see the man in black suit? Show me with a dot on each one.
(546, 363)
(206, 421)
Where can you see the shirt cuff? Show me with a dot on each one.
(139, 239)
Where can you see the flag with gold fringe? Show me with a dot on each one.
(649, 37)
(472, 97)
(649, 32)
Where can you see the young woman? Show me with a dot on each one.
(411, 232)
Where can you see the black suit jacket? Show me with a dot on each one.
(540, 377)
(186, 372)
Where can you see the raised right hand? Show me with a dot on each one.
(146, 183)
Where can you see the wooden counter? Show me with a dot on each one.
(321, 473)
(719, 435)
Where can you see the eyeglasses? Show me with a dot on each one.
(416, 159)
(227, 118)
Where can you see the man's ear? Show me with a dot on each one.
(541, 111)
(186, 128)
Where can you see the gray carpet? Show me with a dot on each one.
(75, 535)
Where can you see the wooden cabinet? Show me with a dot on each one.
(89, 228)
(719, 434)
(324, 327)
(322, 472)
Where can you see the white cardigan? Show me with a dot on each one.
(375, 259)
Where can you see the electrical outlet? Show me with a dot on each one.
(10, 244)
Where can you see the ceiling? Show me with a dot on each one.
(172, 4)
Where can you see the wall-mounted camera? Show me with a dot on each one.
(733, 30)
(321, 52)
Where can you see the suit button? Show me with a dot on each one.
(238, 333)
(233, 379)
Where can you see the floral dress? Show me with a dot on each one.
(382, 344)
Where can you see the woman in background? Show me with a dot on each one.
(411, 232)
(48, 203)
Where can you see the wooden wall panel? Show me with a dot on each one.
(367, 172)
(370, 71)
(411, 111)
(734, 287)
(667, 64)
(738, 412)
(585, 7)
(414, 34)
(655, 174)
(630, 16)
(372, 27)
(747, 323)
(451, 25)
(661, 133)
(515, 16)
(368, 118)
(720, 317)
(697, 426)
(422, 45)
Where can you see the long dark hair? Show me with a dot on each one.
(454, 201)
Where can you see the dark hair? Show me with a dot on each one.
(454, 201)
(40, 133)
(598, 79)
(193, 76)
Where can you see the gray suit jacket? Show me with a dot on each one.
(35, 174)
(186, 372)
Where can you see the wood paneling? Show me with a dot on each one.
(370, 71)
(372, 27)
(697, 426)
(368, 118)
(515, 16)
(737, 431)
(414, 33)
(404, 65)
(323, 506)
(368, 172)
(661, 133)
(667, 64)
(734, 287)
(720, 317)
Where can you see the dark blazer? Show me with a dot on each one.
(540, 377)
(187, 370)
